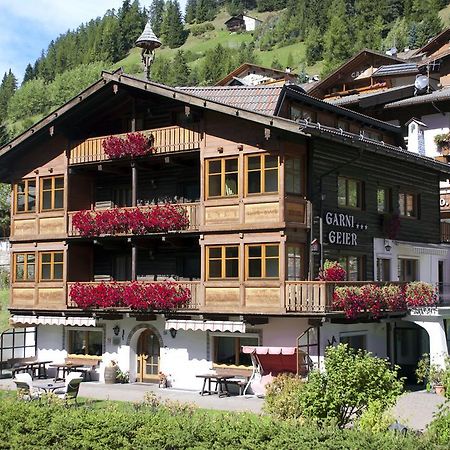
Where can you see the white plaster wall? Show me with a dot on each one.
(436, 124)
(427, 255)
(250, 23)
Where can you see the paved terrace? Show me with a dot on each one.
(414, 409)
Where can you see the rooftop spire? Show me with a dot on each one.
(148, 41)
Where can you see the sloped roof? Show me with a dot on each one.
(396, 69)
(436, 96)
(435, 43)
(247, 66)
(262, 99)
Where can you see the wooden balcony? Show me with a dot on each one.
(193, 286)
(192, 210)
(166, 140)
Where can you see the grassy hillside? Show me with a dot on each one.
(444, 14)
(196, 46)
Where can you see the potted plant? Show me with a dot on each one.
(437, 375)
(442, 142)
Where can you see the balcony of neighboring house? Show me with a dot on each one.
(445, 232)
(158, 141)
(164, 274)
(159, 196)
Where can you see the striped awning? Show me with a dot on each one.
(51, 320)
(205, 325)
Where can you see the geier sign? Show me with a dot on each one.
(340, 220)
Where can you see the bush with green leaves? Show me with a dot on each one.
(438, 431)
(198, 30)
(375, 418)
(283, 397)
(351, 381)
(50, 425)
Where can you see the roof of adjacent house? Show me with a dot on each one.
(435, 43)
(247, 66)
(300, 127)
(396, 69)
(241, 16)
(350, 64)
(436, 96)
(261, 99)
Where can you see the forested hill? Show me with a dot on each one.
(311, 36)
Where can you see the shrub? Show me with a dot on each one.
(352, 380)
(438, 431)
(375, 418)
(283, 397)
(198, 30)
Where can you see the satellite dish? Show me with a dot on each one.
(421, 84)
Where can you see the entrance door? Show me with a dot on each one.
(147, 357)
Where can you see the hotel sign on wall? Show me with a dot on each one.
(340, 225)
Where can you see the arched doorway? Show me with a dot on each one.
(147, 357)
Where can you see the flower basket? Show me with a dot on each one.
(332, 271)
(132, 146)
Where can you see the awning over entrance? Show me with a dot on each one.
(205, 325)
(49, 320)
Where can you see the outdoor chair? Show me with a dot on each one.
(70, 391)
(25, 389)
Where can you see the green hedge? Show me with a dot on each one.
(44, 425)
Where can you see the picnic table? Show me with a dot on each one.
(65, 368)
(221, 381)
(37, 369)
(49, 386)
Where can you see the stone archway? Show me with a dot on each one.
(132, 342)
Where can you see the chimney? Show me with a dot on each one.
(415, 140)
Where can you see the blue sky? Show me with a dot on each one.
(28, 26)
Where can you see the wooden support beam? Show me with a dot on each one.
(133, 262)
(134, 181)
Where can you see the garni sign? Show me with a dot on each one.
(339, 221)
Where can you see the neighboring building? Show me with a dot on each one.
(242, 22)
(258, 185)
(252, 75)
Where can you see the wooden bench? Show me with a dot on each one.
(89, 365)
(242, 375)
(19, 365)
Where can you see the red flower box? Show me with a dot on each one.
(139, 221)
(135, 144)
(134, 295)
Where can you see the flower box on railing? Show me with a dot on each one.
(375, 299)
(132, 146)
(138, 221)
(133, 295)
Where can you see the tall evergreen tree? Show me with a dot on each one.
(206, 10)
(8, 87)
(191, 11)
(29, 73)
(338, 39)
(156, 16)
(368, 12)
(180, 69)
(4, 136)
(172, 29)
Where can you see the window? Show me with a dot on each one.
(262, 174)
(297, 112)
(25, 196)
(294, 258)
(222, 177)
(383, 200)
(358, 341)
(349, 193)
(383, 269)
(51, 266)
(263, 261)
(24, 266)
(85, 342)
(407, 204)
(353, 265)
(293, 175)
(408, 269)
(52, 193)
(223, 261)
(227, 349)
(343, 125)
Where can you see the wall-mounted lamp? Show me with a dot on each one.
(387, 245)
(173, 333)
(116, 330)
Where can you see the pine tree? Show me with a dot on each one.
(4, 136)
(276, 64)
(430, 23)
(314, 46)
(172, 30)
(156, 16)
(180, 70)
(338, 39)
(366, 12)
(29, 74)
(131, 23)
(206, 10)
(191, 11)
(8, 87)
(216, 64)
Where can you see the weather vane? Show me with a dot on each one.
(148, 41)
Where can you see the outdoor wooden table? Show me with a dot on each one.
(65, 368)
(38, 367)
(49, 386)
(221, 384)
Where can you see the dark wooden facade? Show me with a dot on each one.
(189, 138)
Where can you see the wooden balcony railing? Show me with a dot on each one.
(192, 210)
(445, 232)
(193, 286)
(166, 140)
(317, 296)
